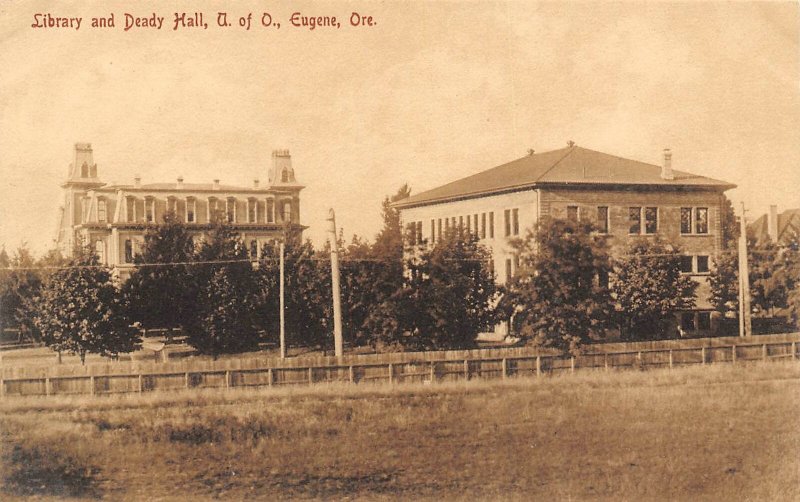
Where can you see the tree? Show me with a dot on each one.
(447, 297)
(724, 283)
(225, 320)
(80, 310)
(729, 225)
(649, 289)
(164, 296)
(560, 294)
(307, 293)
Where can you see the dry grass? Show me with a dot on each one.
(715, 433)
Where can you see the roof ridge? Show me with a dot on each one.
(571, 149)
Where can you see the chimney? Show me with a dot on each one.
(179, 184)
(772, 223)
(216, 184)
(137, 181)
(255, 183)
(666, 169)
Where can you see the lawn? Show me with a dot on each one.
(716, 433)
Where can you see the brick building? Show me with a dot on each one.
(114, 218)
(624, 198)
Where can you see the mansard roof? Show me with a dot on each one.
(572, 165)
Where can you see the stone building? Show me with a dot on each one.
(113, 218)
(623, 198)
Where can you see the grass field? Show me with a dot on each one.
(708, 433)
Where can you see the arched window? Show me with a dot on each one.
(101, 210)
(85, 170)
(128, 251)
(270, 211)
(230, 210)
(286, 211)
(100, 250)
(253, 249)
(285, 176)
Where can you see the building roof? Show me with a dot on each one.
(571, 165)
(788, 226)
(195, 187)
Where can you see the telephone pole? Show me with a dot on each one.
(744, 280)
(336, 293)
(283, 320)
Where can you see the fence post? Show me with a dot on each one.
(794, 350)
(538, 365)
(91, 384)
(733, 354)
(466, 369)
(186, 379)
(140, 383)
(764, 352)
(433, 371)
(391, 373)
(227, 379)
(310, 375)
(572, 364)
(605, 361)
(270, 377)
(703, 355)
(639, 359)
(2, 387)
(670, 358)
(505, 368)
(46, 386)
(350, 374)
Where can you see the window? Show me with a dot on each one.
(101, 210)
(572, 213)
(515, 221)
(439, 228)
(433, 231)
(286, 211)
(475, 224)
(453, 222)
(687, 264)
(252, 211)
(128, 251)
(469, 224)
(602, 219)
(507, 221)
(446, 224)
(191, 206)
(635, 220)
(704, 320)
(270, 211)
(509, 272)
(460, 224)
(483, 225)
(701, 220)
(254, 249)
(230, 210)
(172, 206)
(702, 264)
(650, 220)
(686, 220)
(419, 232)
(149, 209)
(212, 210)
(491, 225)
(100, 251)
(84, 170)
(687, 321)
(130, 209)
(285, 176)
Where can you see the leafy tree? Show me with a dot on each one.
(307, 293)
(225, 320)
(649, 288)
(80, 310)
(560, 292)
(729, 224)
(447, 297)
(724, 283)
(164, 296)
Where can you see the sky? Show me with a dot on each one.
(430, 93)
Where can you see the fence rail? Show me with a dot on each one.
(393, 372)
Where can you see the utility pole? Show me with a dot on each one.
(283, 320)
(336, 290)
(744, 280)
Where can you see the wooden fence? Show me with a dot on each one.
(394, 372)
